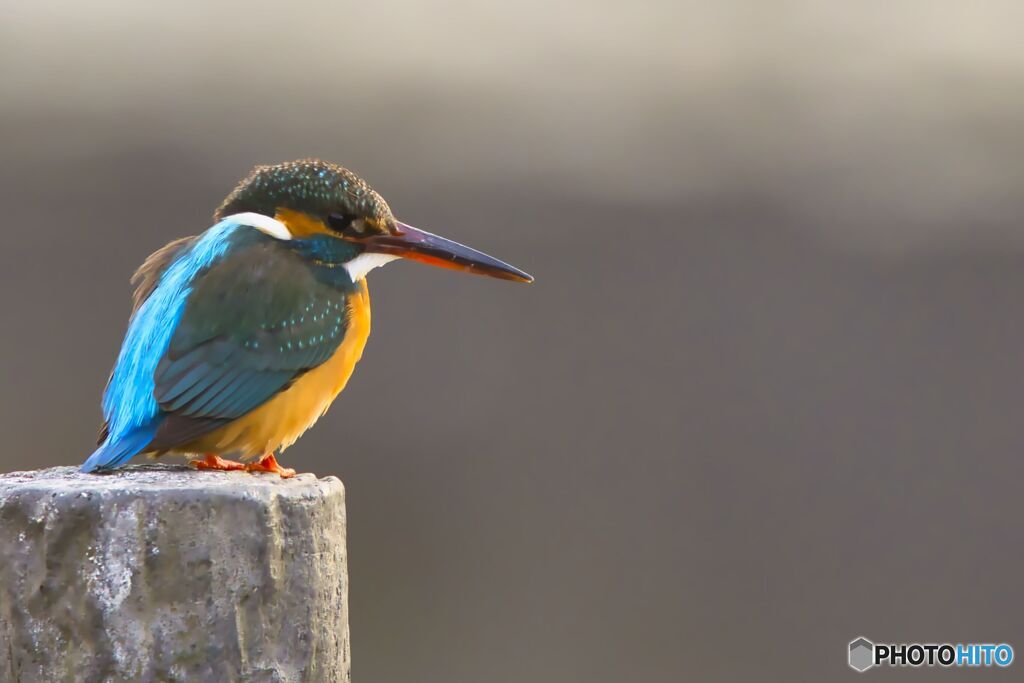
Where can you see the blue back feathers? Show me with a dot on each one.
(131, 411)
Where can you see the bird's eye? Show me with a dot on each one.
(346, 224)
(340, 222)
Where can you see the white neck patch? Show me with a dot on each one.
(265, 224)
(361, 265)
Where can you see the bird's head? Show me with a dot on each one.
(312, 198)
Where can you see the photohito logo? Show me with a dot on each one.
(864, 654)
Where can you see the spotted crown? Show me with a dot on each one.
(316, 187)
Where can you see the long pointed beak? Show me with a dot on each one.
(420, 245)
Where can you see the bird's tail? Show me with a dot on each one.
(116, 451)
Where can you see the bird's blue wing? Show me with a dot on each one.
(131, 414)
(227, 320)
(254, 323)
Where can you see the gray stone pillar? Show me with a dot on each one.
(161, 573)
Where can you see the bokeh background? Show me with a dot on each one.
(764, 397)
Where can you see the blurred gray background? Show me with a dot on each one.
(764, 397)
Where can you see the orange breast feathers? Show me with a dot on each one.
(279, 422)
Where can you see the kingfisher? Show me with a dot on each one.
(241, 337)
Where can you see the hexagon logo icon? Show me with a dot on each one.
(862, 654)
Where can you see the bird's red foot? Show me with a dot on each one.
(215, 462)
(268, 463)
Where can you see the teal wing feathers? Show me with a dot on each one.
(253, 324)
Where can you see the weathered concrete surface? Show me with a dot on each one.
(158, 573)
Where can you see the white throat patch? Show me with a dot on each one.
(361, 265)
(265, 224)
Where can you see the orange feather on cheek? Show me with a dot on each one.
(301, 224)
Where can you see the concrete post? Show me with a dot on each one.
(161, 573)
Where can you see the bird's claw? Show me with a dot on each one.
(268, 463)
(215, 462)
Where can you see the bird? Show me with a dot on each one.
(242, 336)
